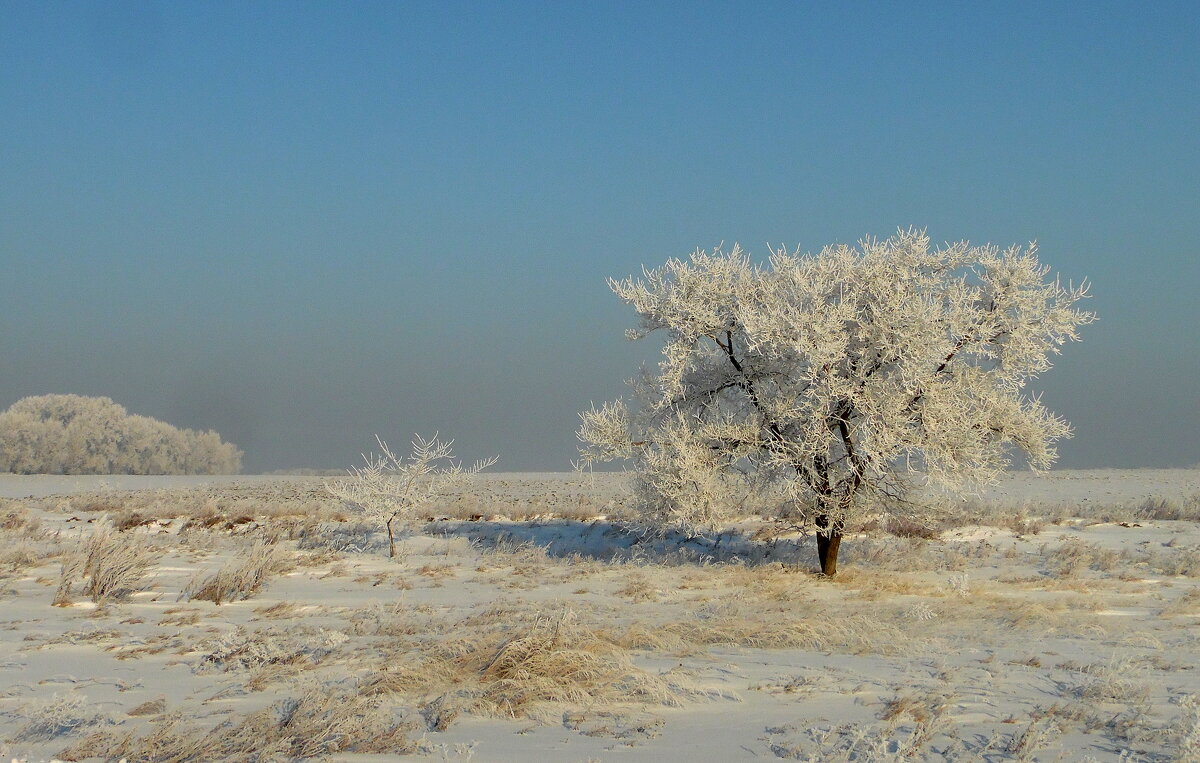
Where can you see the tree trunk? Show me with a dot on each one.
(828, 543)
(391, 538)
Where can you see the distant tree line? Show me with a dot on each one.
(74, 434)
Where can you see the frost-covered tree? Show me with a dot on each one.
(839, 380)
(74, 434)
(390, 487)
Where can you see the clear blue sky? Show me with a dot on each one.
(301, 224)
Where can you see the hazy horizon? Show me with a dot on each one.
(304, 225)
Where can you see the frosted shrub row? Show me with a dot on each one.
(73, 434)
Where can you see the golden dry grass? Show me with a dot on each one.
(553, 660)
(822, 630)
(110, 567)
(242, 578)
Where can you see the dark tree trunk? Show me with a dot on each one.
(828, 543)
(391, 538)
(829, 540)
(829, 531)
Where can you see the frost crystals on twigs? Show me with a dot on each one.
(833, 379)
(389, 487)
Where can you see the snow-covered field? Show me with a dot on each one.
(1058, 618)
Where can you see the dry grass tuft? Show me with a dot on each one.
(639, 588)
(562, 662)
(918, 707)
(1183, 561)
(24, 541)
(553, 661)
(151, 707)
(59, 716)
(1120, 680)
(15, 516)
(129, 520)
(1186, 508)
(245, 650)
(1074, 556)
(1188, 604)
(279, 610)
(112, 567)
(20, 555)
(242, 578)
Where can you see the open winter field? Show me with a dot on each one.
(254, 618)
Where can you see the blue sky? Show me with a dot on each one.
(301, 224)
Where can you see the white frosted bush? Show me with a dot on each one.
(389, 487)
(73, 434)
(832, 378)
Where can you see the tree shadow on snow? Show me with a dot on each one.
(609, 541)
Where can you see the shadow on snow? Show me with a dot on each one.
(608, 541)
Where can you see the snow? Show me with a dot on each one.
(1079, 636)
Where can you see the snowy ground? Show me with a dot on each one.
(1056, 620)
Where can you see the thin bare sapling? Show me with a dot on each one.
(389, 487)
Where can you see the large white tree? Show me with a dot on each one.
(838, 380)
